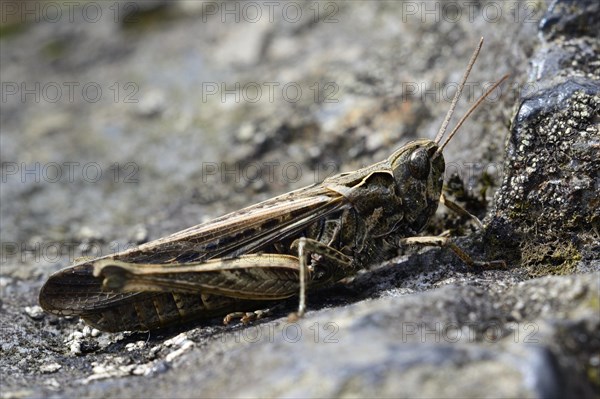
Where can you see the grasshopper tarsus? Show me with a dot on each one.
(293, 317)
(491, 265)
(311, 237)
(246, 317)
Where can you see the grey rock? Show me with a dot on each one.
(546, 216)
(571, 18)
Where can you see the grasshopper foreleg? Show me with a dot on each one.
(448, 243)
(459, 210)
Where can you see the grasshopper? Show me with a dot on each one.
(307, 238)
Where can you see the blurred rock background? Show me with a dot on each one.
(125, 121)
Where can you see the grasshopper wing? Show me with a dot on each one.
(75, 290)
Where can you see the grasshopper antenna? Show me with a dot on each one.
(461, 86)
(470, 111)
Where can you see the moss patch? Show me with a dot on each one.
(551, 258)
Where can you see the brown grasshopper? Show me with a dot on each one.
(311, 237)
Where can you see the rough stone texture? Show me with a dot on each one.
(547, 211)
(419, 325)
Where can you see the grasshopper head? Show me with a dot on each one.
(418, 169)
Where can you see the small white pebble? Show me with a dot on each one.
(75, 348)
(99, 369)
(75, 335)
(50, 368)
(245, 132)
(153, 103)
(135, 345)
(176, 340)
(35, 312)
(154, 350)
(142, 369)
(178, 352)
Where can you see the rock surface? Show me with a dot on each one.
(419, 325)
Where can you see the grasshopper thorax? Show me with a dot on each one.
(418, 169)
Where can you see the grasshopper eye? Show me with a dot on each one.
(418, 164)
